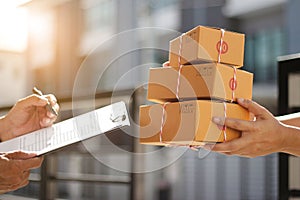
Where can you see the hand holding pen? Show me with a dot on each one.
(48, 106)
(31, 113)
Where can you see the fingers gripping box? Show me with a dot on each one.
(188, 123)
(207, 44)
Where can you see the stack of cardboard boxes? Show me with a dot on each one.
(202, 80)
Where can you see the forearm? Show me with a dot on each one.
(291, 119)
(291, 144)
(4, 129)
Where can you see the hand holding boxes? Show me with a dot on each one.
(202, 81)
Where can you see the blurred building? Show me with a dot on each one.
(85, 48)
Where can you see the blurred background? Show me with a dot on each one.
(45, 43)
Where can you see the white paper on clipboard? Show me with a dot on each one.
(71, 130)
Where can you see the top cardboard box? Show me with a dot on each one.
(203, 44)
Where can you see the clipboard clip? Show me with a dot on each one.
(118, 118)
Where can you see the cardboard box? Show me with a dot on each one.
(206, 81)
(188, 123)
(203, 44)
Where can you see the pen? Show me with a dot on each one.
(48, 106)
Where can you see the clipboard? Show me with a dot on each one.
(70, 131)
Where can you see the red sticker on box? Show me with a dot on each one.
(222, 127)
(224, 47)
(232, 84)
